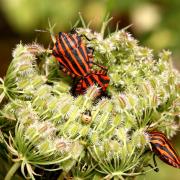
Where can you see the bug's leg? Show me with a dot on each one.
(83, 35)
(73, 31)
(155, 163)
(101, 66)
(90, 51)
(155, 168)
(73, 88)
(152, 167)
(100, 72)
(74, 82)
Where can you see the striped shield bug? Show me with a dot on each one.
(163, 149)
(74, 56)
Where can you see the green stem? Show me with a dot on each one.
(13, 169)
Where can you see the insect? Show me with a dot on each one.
(163, 149)
(76, 59)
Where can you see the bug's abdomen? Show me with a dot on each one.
(163, 149)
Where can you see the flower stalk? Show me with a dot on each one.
(12, 170)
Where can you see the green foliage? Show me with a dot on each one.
(47, 129)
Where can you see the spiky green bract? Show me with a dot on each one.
(43, 125)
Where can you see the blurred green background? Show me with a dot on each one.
(155, 23)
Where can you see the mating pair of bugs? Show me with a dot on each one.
(76, 60)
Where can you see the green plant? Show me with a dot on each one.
(42, 124)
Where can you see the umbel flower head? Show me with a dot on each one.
(44, 127)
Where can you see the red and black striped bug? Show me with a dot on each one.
(76, 59)
(163, 149)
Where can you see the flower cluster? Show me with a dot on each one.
(48, 128)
